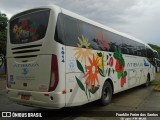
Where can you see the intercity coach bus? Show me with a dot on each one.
(57, 59)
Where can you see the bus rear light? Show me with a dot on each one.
(54, 74)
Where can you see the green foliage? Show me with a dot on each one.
(155, 82)
(3, 33)
(3, 38)
(155, 47)
(3, 21)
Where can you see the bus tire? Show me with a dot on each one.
(106, 95)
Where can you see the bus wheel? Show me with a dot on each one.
(147, 82)
(106, 94)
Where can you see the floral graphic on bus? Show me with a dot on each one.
(82, 54)
(92, 65)
(83, 42)
(103, 42)
(119, 67)
(111, 61)
(90, 76)
(17, 31)
(24, 23)
(25, 29)
(92, 73)
(101, 60)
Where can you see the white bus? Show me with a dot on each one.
(57, 59)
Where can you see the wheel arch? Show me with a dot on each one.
(111, 82)
(148, 76)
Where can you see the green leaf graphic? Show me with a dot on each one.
(119, 75)
(109, 71)
(107, 57)
(80, 67)
(101, 72)
(94, 89)
(113, 71)
(80, 84)
(116, 56)
(99, 54)
(125, 74)
(122, 62)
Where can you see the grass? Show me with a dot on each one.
(156, 82)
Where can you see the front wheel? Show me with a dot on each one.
(106, 94)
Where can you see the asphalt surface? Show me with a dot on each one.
(133, 100)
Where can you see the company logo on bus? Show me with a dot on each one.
(145, 63)
(25, 71)
(26, 65)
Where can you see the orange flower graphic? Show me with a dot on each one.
(92, 73)
(82, 54)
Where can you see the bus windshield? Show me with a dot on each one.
(29, 27)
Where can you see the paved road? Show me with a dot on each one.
(136, 99)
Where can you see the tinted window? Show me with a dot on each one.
(134, 47)
(90, 33)
(143, 50)
(59, 33)
(115, 42)
(29, 28)
(71, 31)
(139, 52)
(149, 53)
(126, 47)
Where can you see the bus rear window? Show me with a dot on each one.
(29, 27)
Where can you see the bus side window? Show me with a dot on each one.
(150, 55)
(143, 51)
(90, 33)
(134, 48)
(114, 42)
(71, 33)
(125, 46)
(59, 33)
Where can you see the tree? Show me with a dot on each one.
(3, 21)
(3, 37)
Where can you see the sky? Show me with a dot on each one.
(138, 18)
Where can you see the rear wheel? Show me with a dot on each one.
(106, 94)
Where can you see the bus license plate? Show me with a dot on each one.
(25, 97)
